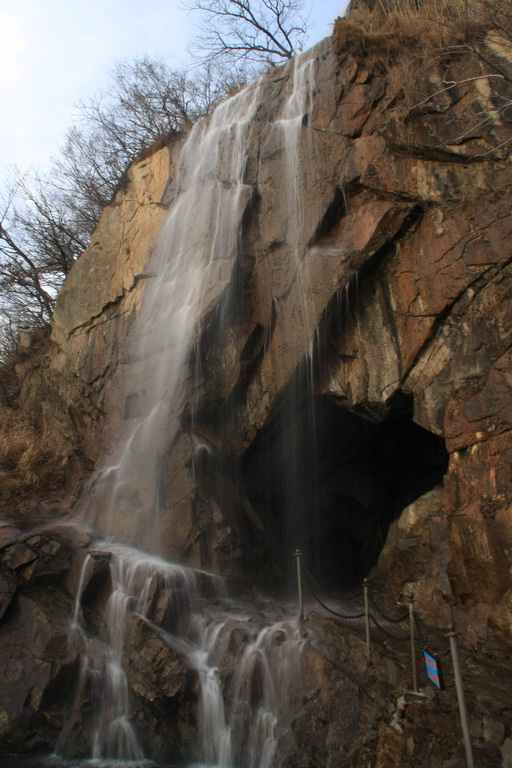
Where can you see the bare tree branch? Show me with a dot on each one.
(48, 219)
(258, 31)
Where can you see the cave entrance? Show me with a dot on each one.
(331, 481)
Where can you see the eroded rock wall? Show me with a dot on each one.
(402, 289)
(71, 388)
(394, 286)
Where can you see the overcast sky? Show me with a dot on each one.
(55, 52)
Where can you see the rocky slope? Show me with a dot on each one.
(372, 343)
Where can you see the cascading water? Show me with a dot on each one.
(241, 725)
(138, 580)
(272, 658)
(298, 141)
(243, 718)
(195, 251)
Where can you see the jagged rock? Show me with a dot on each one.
(8, 534)
(8, 585)
(18, 555)
(71, 399)
(71, 533)
(506, 753)
(30, 662)
(39, 558)
(421, 538)
(154, 669)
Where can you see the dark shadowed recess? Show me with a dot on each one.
(331, 481)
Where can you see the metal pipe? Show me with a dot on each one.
(298, 555)
(461, 700)
(413, 646)
(367, 621)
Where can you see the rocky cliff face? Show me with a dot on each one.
(394, 298)
(349, 387)
(70, 390)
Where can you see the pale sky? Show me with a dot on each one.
(54, 53)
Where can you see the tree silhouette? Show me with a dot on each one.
(259, 32)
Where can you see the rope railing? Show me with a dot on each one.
(415, 636)
(315, 590)
(337, 613)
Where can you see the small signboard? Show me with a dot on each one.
(433, 666)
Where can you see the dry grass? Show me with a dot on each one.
(394, 27)
(30, 460)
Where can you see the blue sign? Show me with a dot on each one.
(433, 670)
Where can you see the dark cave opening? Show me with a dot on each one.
(331, 481)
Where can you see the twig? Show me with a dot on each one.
(451, 84)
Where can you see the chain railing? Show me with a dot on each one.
(414, 635)
(315, 588)
(396, 620)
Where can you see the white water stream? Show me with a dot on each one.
(192, 264)
(241, 724)
(243, 719)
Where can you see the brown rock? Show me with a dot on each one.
(8, 586)
(18, 555)
(154, 669)
(506, 753)
(29, 662)
(386, 189)
(71, 533)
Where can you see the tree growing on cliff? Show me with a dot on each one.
(147, 102)
(257, 32)
(47, 219)
(40, 238)
(25, 299)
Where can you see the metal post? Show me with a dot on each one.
(298, 555)
(413, 646)
(461, 699)
(367, 621)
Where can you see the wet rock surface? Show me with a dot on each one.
(38, 660)
(347, 712)
(396, 276)
(369, 716)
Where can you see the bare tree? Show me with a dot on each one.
(25, 277)
(50, 225)
(147, 102)
(261, 32)
(40, 238)
(46, 220)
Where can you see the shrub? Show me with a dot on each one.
(30, 460)
(395, 27)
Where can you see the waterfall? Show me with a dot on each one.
(241, 718)
(240, 726)
(195, 251)
(138, 580)
(77, 613)
(299, 142)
